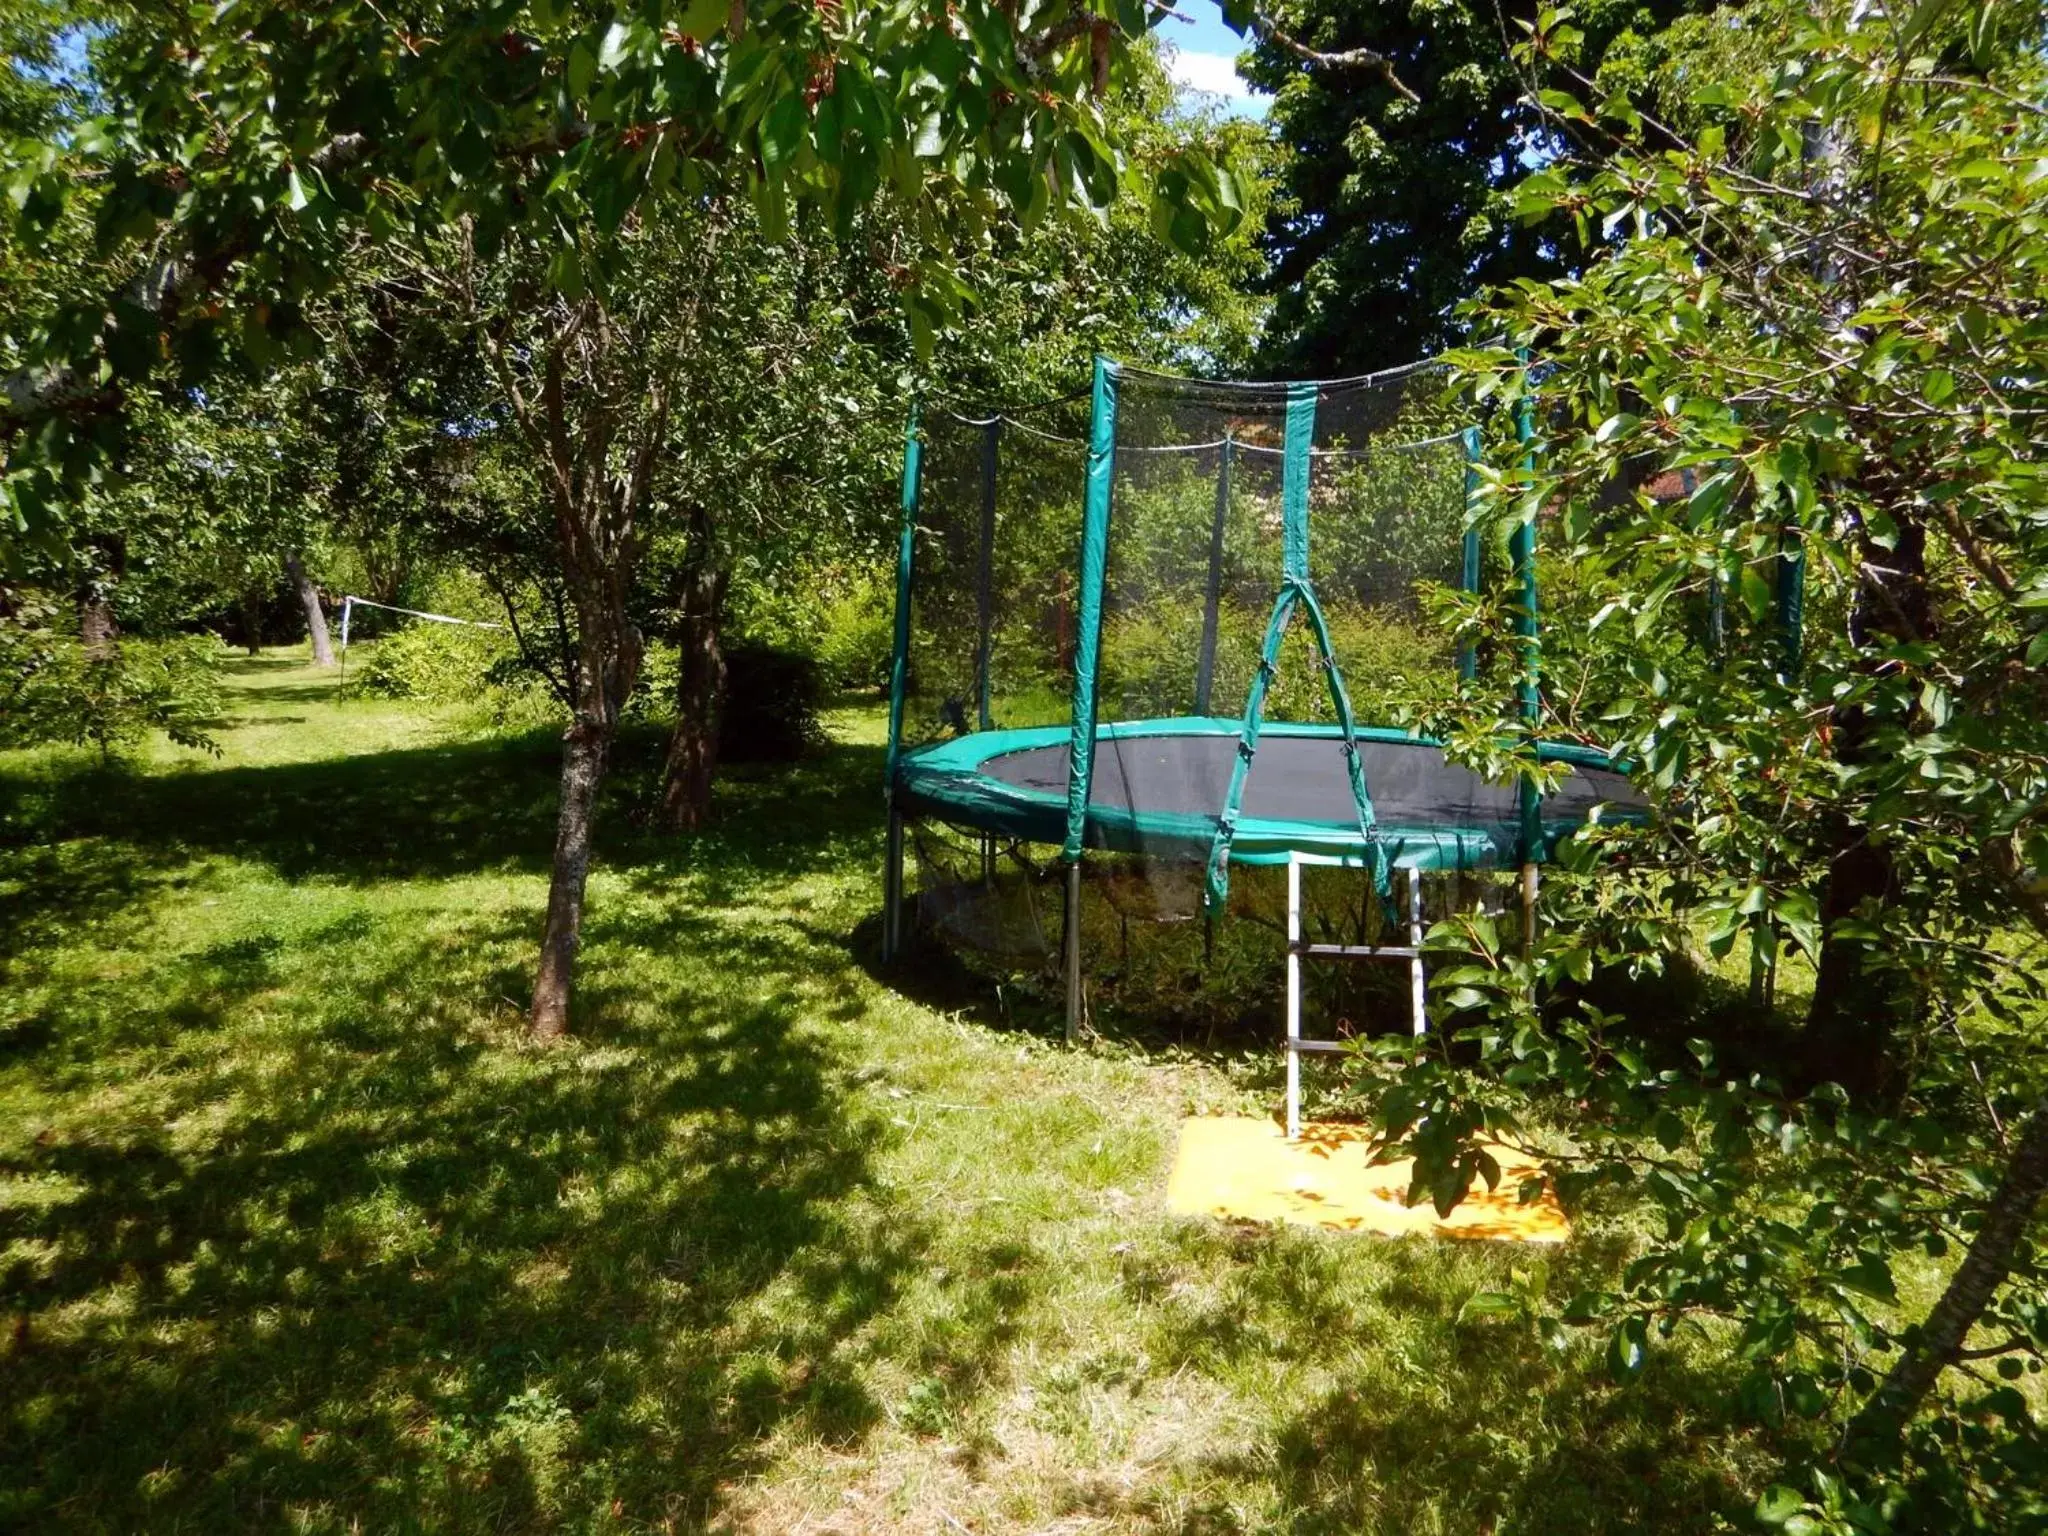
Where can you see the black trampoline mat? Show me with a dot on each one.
(1300, 778)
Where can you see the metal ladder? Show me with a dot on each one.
(1298, 950)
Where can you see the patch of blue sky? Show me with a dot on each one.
(1202, 58)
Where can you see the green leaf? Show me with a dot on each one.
(1628, 1349)
(565, 273)
(582, 68)
(1870, 1277)
(613, 51)
(782, 132)
(1779, 1504)
(702, 19)
(1490, 1304)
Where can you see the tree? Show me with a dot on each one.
(798, 369)
(257, 150)
(1814, 293)
(1393, 204)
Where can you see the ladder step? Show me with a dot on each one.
(1319, 1047)
(1356, 951)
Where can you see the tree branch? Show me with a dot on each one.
(1268, 30)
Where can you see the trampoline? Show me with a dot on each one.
(1130, 624)
(1158, 783)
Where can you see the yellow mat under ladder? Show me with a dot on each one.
(1247, 1170)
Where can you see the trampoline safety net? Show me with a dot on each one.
(1140, 629)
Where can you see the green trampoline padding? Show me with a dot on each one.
(1158, 786)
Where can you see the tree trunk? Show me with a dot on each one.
(692, 759)
(1938, 1342)
(316, 618)
(252, 623)
(97, 631)
(1860, 1010)
(608, 656)
(608, 664)
(586, 752)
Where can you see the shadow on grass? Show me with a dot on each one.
(1399, 1412)
(310, 1236)
(370, 1266)
(431, 812)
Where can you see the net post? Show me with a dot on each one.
(892, 890)
(1295, 590)
(1212, 594)
(899, 678)
(1522, 551)
(1095, 510)
(906, 553)
(984, 592)
(1070, 924)
(1468, 573)
(1088, 626)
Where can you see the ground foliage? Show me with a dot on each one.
(1813, 302)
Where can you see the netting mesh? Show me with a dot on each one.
(1152, 955)
(1197, 539)
(993, 599)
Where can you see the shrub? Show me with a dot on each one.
(63, 694)
(772, 699)
(437, 663)
(856, 637)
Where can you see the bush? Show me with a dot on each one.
(62, 694)
(856, 638)
(843, 617)
(438, 663)
(453, 664)
(772, 699)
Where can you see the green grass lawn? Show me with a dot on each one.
(296, 1232)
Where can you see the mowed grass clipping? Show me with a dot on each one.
(297, 1233)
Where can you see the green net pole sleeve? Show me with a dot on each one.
(984, 576)
(1368, 822)
(1296, 461)
(1088, 629)
(1468, 571)
(1791, 602)
(1522, 551)
(906, 550)
(1216, 879)
(1212, 593)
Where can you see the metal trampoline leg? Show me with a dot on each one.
(892, 890)
(1071, 924)
(1417, 984)
(1293, 997)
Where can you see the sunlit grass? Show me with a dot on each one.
(296, 1232)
